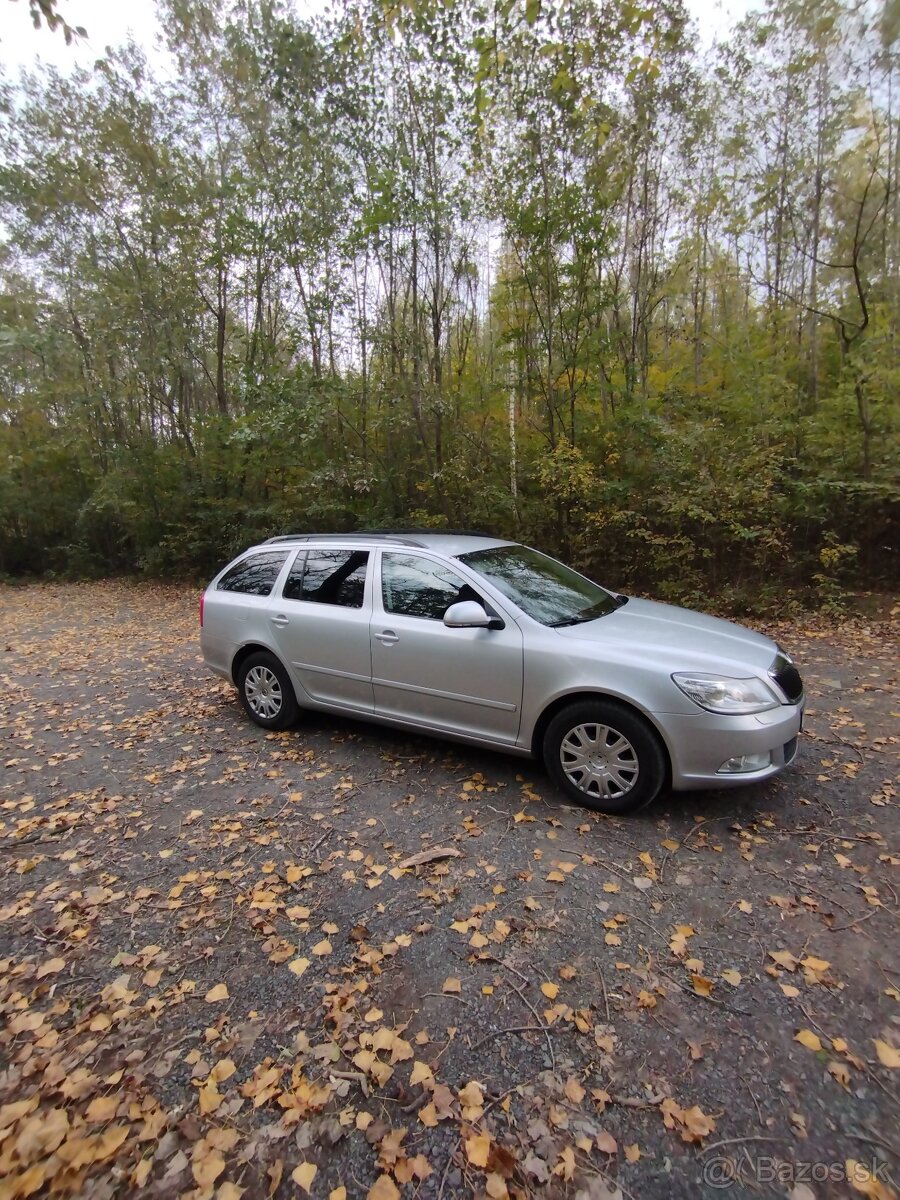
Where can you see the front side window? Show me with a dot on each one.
(417, 587)
(547, 590)
(254, 576)
(328, 577)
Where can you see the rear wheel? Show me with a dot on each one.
(604, 756)
(266, 691)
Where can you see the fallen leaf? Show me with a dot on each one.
(807, 1038)
(304, 1174)
(862, 1180)
(702, 986)
(219, 992)
(477, 1149)
(383, 1188)
(888, 1056)
(550, 990)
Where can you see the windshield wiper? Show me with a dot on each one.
(590, 614)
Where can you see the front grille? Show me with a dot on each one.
(787, 677)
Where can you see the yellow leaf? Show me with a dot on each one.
(841, 1073)
(888, 1056)
(566, 1165)
(702, 986)
(323, 947)
(477, 1149)
(606, 1143)
(731, 976)
(219, 992)
(612, 887)
(451, 985)
(495, 1184)
(472, 1098)
(420, 1073)
(807, 1038)
(745, 906)
(50, 967)
(224, 1069)
(550, 990)
(210, 1097)
(862, 1180)
(298, 966)
(789, 989)
(574, 1091)
(207, 1166)
(102, 1109)
(428, 1115)
(338, 1193)
(304, 1175)
(383, 1188)
(632, 1152)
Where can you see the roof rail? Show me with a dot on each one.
(361, 536)
(401, 532)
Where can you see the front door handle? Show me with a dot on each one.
(387, 637)
(280, 619)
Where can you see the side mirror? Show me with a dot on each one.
(467, 614)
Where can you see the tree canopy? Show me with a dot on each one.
(542, 268)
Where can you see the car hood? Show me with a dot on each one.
(695, 640)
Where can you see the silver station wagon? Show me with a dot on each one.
(495, 644)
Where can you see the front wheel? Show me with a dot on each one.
(266, 691)
(604, 757)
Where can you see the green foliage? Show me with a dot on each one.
(530, 267)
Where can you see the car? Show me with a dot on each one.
(495, 644)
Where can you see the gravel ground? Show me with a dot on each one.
(216, 977)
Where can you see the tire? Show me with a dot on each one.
(266, 692)
(624, 765)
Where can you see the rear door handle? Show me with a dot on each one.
(280, 619)
(387, 637)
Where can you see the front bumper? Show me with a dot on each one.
(699, 745)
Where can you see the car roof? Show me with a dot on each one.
(450, 542)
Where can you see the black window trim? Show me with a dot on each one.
(454, 565)
(242, 561)
(305, 551)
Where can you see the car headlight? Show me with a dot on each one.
(719, 694)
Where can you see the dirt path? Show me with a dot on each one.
(215, 973)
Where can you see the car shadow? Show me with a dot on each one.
(331, 731)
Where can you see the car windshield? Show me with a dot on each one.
(543, 588)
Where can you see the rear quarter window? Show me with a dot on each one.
(254, 576)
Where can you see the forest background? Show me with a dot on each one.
(549, 270)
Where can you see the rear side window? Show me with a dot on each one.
(329, 577)
(254, 576)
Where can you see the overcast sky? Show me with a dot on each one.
(109, 22)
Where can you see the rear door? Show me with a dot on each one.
(466, 681)
(321, 625)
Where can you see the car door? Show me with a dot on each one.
(465, 681)
(321, 625)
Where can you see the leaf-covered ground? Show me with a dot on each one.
(347, 962)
